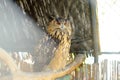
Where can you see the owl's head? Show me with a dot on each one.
(59, 28)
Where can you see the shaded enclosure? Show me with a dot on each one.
(28, 48)
(78, 12)
(23, 30)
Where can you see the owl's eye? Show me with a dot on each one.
(58, 23)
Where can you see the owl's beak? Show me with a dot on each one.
(62, 27)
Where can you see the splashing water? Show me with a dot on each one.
(20, 34)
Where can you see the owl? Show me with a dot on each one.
(59, 27)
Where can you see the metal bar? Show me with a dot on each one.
(95, 29)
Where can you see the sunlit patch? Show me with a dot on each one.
(109, 17)
(89, 60)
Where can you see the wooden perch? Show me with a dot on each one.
(7, 59)
(44, 75)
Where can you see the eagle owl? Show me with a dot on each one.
(59, 28)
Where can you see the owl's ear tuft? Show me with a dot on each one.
(51, 17)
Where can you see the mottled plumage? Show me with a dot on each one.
(61, 29)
